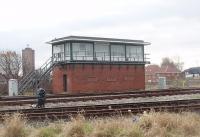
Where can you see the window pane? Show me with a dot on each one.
(118, 52)
(82, 51)
(102, 51)
(67, 49)
(134, 53)
(58, 52)
(58, 48)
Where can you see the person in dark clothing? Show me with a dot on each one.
(41, 97)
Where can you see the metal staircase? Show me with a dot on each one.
(33, 79)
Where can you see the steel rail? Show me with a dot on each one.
(107, 109)
(58, 99)
(6, 98)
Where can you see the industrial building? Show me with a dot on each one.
(94, 64)
(28, 60)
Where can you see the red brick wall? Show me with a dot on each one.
(98, 78)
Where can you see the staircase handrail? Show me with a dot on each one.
(42, 71)
(24, 79)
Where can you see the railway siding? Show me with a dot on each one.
(63, 106)
(108, 109)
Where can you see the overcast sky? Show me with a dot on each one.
(172, 26)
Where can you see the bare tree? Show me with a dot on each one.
(10, 64)
(167, 62)
(176, 62)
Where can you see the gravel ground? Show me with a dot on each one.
(100, 102)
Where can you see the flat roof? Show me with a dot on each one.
(98, 39)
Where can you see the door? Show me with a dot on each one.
(65, 83)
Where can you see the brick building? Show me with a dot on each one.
(153, 72)
(93, 64)
(28, 60)
(151, 75)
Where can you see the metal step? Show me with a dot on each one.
(33, 79)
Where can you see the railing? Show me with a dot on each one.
(33, 78)
(99, 56)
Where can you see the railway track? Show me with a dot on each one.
(108, 109)
(9, 101)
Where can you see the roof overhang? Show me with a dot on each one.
(98, 39)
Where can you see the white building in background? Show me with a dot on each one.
(193, 72)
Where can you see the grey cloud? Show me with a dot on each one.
(164, 33)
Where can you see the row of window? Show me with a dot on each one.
(84, 51)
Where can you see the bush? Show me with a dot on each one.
(80, 129)
(14, 126)
(109, 128)
(48, 132)
(135, 131)
(52, 130)
(165, 124)
(160, 124)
